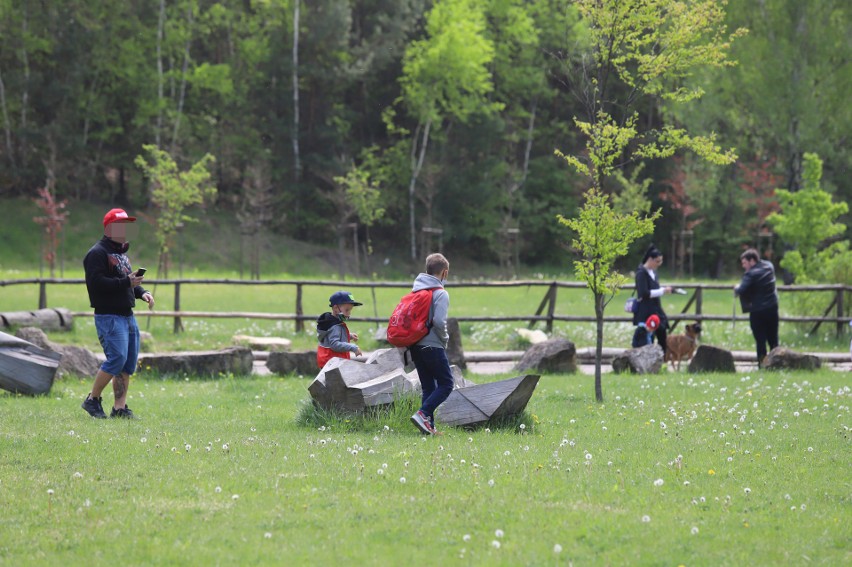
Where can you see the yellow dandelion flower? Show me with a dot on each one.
(711, 472)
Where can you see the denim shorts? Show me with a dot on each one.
(119, 337)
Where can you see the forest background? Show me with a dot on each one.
(392, 126)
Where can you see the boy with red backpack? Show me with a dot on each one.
(429, 353)
(335, 340)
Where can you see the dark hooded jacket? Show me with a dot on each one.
(757, 289)
(107, 278)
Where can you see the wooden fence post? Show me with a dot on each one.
(42, 294)
(178, 323)
(300, 325)
(839, 303)
(551, 309)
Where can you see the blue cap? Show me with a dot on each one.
(341, 297)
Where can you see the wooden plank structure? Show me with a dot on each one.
(478, 404)
(352, 386)
(26, 368)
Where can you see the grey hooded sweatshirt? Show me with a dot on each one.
(438, 335)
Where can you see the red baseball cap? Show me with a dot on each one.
(116, 215)
(652, 322)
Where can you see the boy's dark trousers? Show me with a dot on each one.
(436, 378)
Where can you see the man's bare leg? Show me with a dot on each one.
(120, 384)
(101, 381)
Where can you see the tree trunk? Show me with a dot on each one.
(182, 80)
(599, 314)
(160, 24)
(416, 166)
(297, 163)
(6, 124)
(26, 94)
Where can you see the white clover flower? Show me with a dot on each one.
(402, 479)
(663, 425)
(810, 449)
(802, 507)
(78, 475)
(143, 440)
(217, 490)
(658, 482)
(187, 446)
(522, 427)
(267, 535)
(50, 492)
(466, 537)
(225, 447)
(588, 456)
(686, 483)
(498, 533)
(694, 530)
(380, 472)
(506, 453)
(747, 490)
(235, 497)
(495, 544)
(557, 548)
(491, 482)
(646, 518)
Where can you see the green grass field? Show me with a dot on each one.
(670, 470)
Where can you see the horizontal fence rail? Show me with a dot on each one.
(546, 312)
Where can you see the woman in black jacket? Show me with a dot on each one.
(648, 291)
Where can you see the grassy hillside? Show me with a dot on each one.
(213, 244)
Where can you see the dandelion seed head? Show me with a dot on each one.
(646, 518)
(557, 548)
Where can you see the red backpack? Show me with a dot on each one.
(410, 320)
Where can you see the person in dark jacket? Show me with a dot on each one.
(335, 340)
(759, 298)
(649, 292)
(113, 290)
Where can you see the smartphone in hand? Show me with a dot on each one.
(140, 272)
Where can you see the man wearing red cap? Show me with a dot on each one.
(113, 289)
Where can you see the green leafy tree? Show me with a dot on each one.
(172, 192)
(445, 76)
(641, 51)
(807, 223)
(603, 236)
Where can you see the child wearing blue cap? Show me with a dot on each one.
(335, 340)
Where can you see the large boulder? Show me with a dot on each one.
(455, 352)
(646, 359)
(76, 360)
(553, 355)
(212, 363)
(303, 363)
(782, 358)
(712, 359)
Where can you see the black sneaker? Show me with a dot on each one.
(124, 412)
(94, 407)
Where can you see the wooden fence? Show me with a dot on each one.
(545, 313)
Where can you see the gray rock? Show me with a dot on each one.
(782, 358)
(455, 352)
(712, 359)
(553, 355)
(303, 363)
(643, 360)
(76, 360)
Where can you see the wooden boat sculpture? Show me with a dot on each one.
(26, 368)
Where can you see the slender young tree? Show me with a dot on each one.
(172, 192)
(603, 236)
(639, 52)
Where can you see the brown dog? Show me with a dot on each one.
(682, 347)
